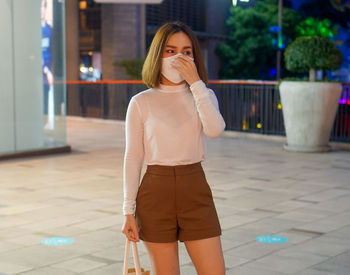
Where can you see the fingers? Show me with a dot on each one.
(181, 66)
(187, 68)
(131, 233)
(184, 58)
(184, 61)
(131, 236)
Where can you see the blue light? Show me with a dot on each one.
(273, 72)
(271, 239)
(275, 29)
(57, 241)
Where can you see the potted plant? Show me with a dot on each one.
(309, 107)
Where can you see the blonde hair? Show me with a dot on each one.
(151, 70)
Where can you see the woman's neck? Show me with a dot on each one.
(167, 82)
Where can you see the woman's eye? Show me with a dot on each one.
(188, 53)
(169, 51)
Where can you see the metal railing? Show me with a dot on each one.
(247, 106)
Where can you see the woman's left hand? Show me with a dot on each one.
(187, 68)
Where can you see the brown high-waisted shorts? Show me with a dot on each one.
(175, 203)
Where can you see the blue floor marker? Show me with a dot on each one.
(271, 239)
(57, 241)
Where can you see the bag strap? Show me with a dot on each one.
(135, 256)
(126, 257)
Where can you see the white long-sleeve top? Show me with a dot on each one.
(167, 126)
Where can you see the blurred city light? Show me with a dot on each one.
(235, 2)
(82, 5)
(275, 29)
(83, 69)
(130, 1)
(273, 72)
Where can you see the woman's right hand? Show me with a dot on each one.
(130, 229)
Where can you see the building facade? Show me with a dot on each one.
(105, 34)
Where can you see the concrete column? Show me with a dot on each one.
(72, 55)
(72, 40)
(123, 37)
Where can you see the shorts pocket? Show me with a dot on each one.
(143, 183)
(205, 182)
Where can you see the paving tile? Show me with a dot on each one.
(112, 253)
(99, 223)
(8, 246)
(325, 246)
(258, 213)
(338, 205)
(271, 225)
(48, 271)
(235, 220)
(188, 269)
(328, 224)
(10, 268)
(248, 270)
(78, 265)
(330, 267)
(289, 265)
(228, 244)
(241, 236)
(36, 256)
(343, 232)
(300, 215)
(106, 270)
(232, 261)
(325, 195)
(258, 189)
(255, 250)
(285, 206)
(295, 236)
(311, 271)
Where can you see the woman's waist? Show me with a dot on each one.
(177, 169)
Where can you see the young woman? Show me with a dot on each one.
(166, 126)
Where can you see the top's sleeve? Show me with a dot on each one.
(208, 109)
(134, 154)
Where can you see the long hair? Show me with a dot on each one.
(151, 70)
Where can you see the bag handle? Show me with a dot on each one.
(135, 255)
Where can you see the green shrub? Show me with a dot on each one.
(132, 67)
(311, 53)
(316, 27)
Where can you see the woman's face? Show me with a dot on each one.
(178, 43)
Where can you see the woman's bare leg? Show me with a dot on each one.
(207, 256)
(164, 258)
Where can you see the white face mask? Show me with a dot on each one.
(169, 72)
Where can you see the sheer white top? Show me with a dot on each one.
(167, 126)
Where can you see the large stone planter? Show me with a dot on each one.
(309, 109)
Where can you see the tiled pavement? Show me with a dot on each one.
(259, 189)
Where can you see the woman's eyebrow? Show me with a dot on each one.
(174, 47)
